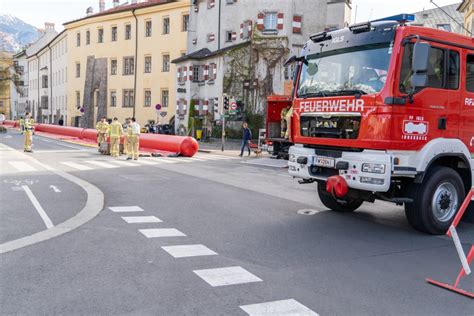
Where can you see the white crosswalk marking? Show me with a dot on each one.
(183, 251)
(167, 160)
(125, 163)
(227, 276)
(161, 232)
(76, 165)
(214, 157)
(22, 166)
(276, 308)
(141, 219)
(124, 209)
(101, 164)
(146, 162)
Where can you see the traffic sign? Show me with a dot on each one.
(158, 107)
(163, 114)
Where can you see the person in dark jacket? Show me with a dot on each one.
(246, 138)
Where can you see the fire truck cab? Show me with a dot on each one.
(382, 110)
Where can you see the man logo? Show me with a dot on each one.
(326, 124)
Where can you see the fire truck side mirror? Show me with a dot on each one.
(419, 65)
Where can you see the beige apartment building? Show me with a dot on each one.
(467, 8)
(119, 61)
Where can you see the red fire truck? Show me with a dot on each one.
(382, 110)
(276, 145)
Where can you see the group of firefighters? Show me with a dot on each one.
(113, 132)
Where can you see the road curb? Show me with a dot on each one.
(94, 205)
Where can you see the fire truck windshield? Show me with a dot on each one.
(347, 71)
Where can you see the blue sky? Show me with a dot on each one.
(36, 12)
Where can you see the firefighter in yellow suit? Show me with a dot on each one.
(102, 128)
(134, 139)
(22, 124)
(28, 133)
(283, 120)
(115, 131)
(288, 116)
(126, 143)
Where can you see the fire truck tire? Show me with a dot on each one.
(337, 205)
(435, 201)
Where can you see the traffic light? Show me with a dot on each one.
(226, 103)
(216, 106)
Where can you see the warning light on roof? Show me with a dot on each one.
(400, 18)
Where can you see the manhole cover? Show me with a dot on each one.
(307, 212)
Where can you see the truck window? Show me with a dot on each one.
(470, 73)
(345, 71)
(452, 77)
(435, 68)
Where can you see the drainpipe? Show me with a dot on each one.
(38, 83)
(51, 83)
(135, 62)
(219, 27)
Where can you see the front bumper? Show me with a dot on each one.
(303, 164)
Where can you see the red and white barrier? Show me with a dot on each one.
(465, 260)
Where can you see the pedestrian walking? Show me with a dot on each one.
(115, 131)
(28, 129)
(134, 136)
(246, 138)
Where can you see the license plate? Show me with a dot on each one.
(325, 162)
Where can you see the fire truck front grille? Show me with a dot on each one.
(330, 126)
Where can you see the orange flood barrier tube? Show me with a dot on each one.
(184, 145)
(10, 123)
(60, 130)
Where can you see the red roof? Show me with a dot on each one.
(123, 8)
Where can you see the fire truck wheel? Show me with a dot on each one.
(338, 205)
(436, 201)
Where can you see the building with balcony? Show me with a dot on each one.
(6, 83)
(466, 8)
(119, 61)
(239, 47)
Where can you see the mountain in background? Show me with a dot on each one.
(14, 33)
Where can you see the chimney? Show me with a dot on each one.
(89, 11)
(48, 26)
(116, 3)
(101, 5)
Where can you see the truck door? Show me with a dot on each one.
(467, 101)
(435, 110)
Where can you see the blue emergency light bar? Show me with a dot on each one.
(400, 18)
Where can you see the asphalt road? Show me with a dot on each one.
(207, 235)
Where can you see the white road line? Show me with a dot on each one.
(227, 276)
(124, 209)
(161, 232)
(125, 163)
(101, 164)
(47, 221)
(141, 219)
(211, 157)
(183, 251)
(167, 160)
(76, 165)
(22, 166)
(283, 307)
(146, 162)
